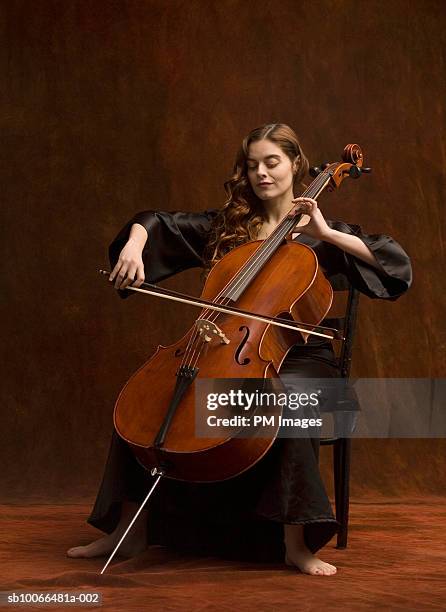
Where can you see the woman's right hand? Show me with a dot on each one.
(129, 266)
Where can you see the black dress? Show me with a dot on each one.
(243, 517)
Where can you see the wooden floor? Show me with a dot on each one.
(395, 560)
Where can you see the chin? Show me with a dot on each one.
(266, 196)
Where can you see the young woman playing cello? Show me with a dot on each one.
(279, 507)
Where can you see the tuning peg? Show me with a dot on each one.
(318, 169)
(355, 171)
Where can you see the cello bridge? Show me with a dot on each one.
(209, 331)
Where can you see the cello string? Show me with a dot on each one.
(195, 346)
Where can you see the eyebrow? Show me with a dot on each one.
(267, 157)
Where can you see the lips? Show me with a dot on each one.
(263, 184)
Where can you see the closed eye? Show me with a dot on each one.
(267, 165)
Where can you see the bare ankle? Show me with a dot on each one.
(128, 512)
(294, 537)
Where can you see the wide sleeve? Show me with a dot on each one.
(390, 281)
(176, 241)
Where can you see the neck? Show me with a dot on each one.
(276, 208)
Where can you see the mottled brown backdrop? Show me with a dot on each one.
(110, 107)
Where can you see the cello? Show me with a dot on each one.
(155, 410)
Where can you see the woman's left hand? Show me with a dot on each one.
(317, 226)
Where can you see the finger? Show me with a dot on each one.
(115, 270)
(298, 207)
(139, 277)
(121, 275)
(312, 205)
(304, 200)
(130, 276)
(119, 280)
(308, 207)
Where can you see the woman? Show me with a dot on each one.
(279, 505)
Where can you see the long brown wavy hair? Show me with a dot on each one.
(242, 215)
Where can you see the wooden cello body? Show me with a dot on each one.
(291, 284)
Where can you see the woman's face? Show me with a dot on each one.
(270, 171)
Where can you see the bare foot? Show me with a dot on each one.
(309, 564)
(298, 555)
(134, 542)
(106, 544)
(98, 548)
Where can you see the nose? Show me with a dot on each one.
(261, 171)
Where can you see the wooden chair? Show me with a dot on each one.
(342, 315)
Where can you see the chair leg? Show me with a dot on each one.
(341, 464)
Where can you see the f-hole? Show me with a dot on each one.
(241, 346)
